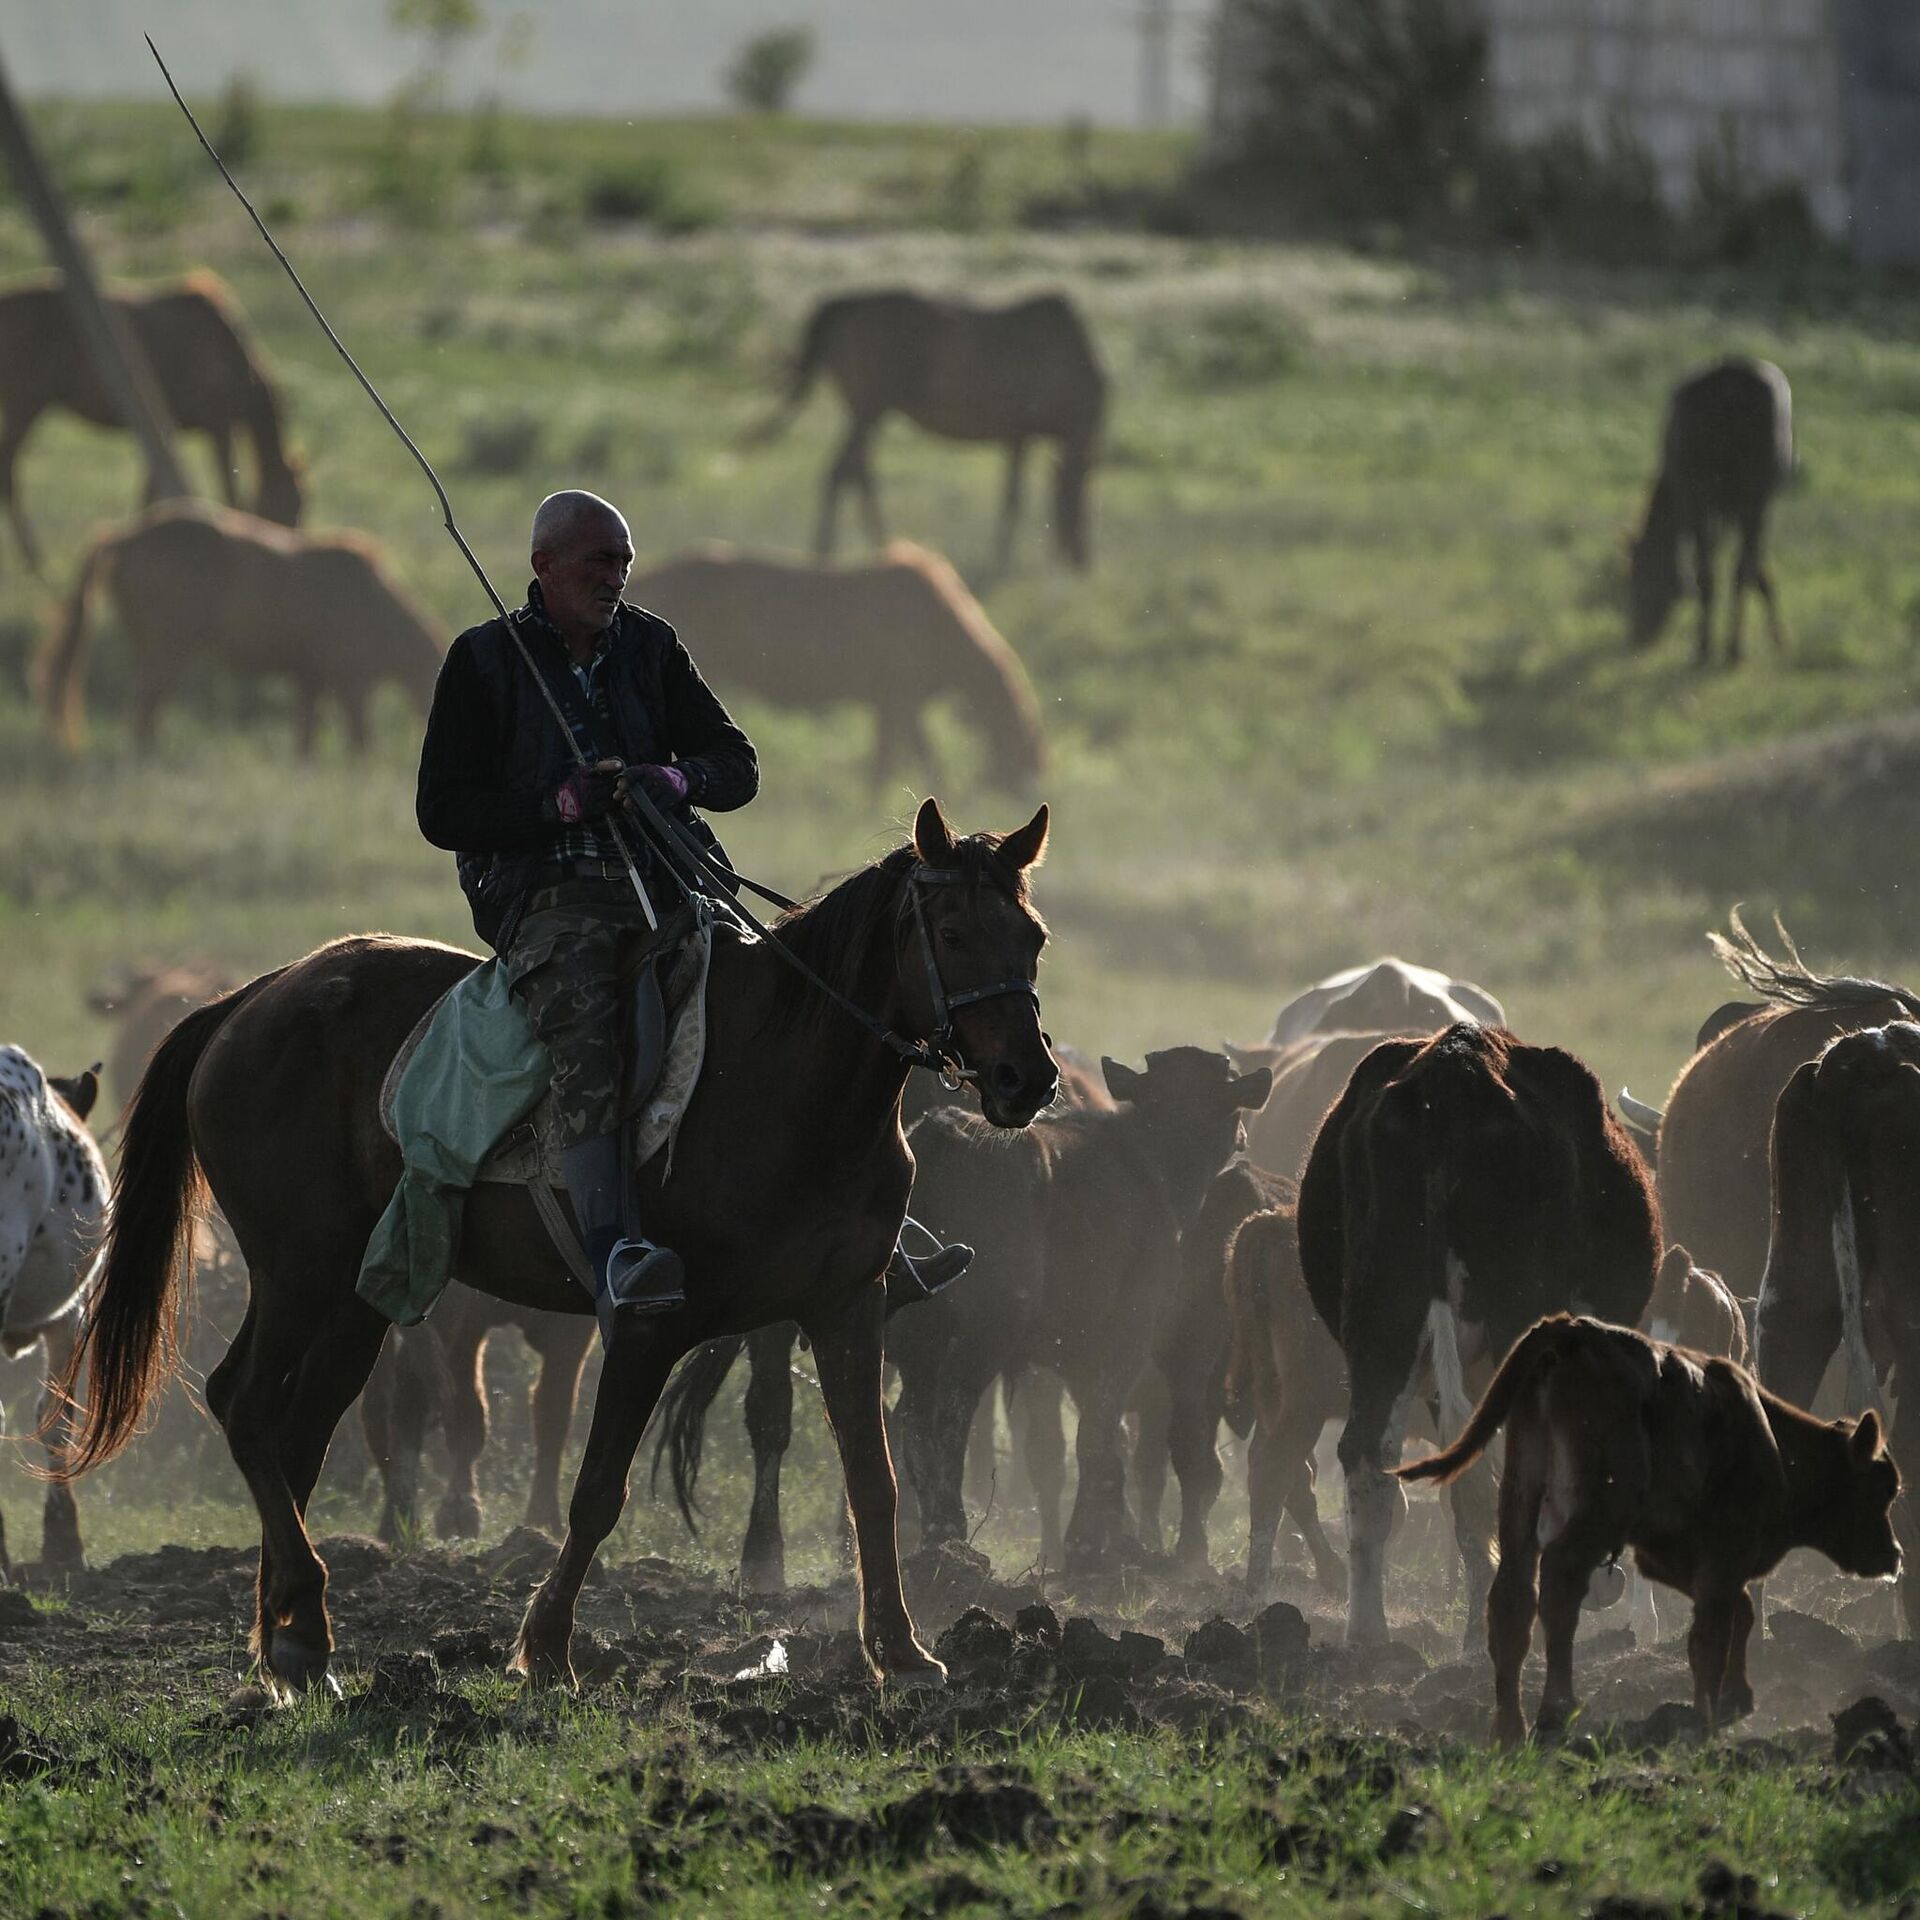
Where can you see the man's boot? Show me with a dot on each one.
(632, 1278)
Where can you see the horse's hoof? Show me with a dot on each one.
(927, 1673)
(540, 1664)
(457, 1517)
(294, 1668)
(763, 1576)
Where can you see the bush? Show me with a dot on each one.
(1244, 343)
(646, 187)
(236, 133)
(761, 77)
(1371, 109)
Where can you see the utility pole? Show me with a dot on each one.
(1156, 62)
(110, 344)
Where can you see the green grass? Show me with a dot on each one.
(489, 1800)
(1348, 677)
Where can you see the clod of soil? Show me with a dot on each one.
(18, 1614)
(1220, 1644)
(1868, 1734)
(1727, 1895)
(1805, 1636)
(1038, 1622)
(1411, 1829)
(1085, 1649)
(975, 1808)
(1281, 1638)
(23, 1755)
(1672, 1723)
(1101, 1700)
(974, 1641)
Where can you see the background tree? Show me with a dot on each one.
(763, 74)
(443, 24)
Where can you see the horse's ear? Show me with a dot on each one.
(1122, 1081)
(1027, 846)
(932, 838)
(80, 1091)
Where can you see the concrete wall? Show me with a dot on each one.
(1820, 94)
(1762, 78)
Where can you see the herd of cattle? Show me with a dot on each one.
(1391, 1203)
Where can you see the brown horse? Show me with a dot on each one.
(788, 1188)
(194, 337)
(186, 578)
(891, 636)
(1009, 375)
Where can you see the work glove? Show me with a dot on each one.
(585, 794)
(666, 787)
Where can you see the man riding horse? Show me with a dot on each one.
(531, 823)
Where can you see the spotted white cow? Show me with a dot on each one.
(53, 1209)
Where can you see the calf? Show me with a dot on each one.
(1742, 1477)
(1728, 447)
(53, 1214)
(1843, 1264)
(1461, 1188)
(1077, 1226)
(1286, 1367)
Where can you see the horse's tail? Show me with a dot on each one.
(128, 1345)
(806, 368)
(682, 1418)
(57, 670)
(1539, 1348)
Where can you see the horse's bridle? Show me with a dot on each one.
(953, 1070)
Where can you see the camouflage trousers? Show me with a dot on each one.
(571, 963)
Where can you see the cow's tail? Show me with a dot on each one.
(1863, 1386)
(682, 1419)
(128, 1347)
(1537, 1350)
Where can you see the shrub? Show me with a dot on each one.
(1243, 343)
(236, 133)
(761, 77)
(648, 187)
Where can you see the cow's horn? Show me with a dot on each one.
(1640, 1113)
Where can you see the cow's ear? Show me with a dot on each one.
(1242, 1057)
(932, 837)
(1122, 1082)
(1251, 1089)
(1027, 846)
(79, 1090)
(1866, 1445)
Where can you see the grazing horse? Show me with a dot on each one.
(53, 1204)
(194, 338)
(1728, 448)
(891, 636)
(1010, 375)
(188, 579)
(786, 1195)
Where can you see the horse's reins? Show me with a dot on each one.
(670, 840)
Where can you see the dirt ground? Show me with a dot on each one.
(1133, 1651)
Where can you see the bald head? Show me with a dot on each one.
(581, 553)
(563, 520)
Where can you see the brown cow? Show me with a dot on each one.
(1715, 1196)
(1615, 1440)
(146, 1007)
(1461, 1188)
(1843, 1267)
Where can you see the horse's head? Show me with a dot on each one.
(281, 498)
(971, 948)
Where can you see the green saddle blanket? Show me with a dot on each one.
(477, 1071)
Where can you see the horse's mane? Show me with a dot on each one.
(1791, 982)
(834, 932)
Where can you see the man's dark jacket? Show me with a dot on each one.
(494, 754)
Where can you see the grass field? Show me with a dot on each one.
(1348, 677)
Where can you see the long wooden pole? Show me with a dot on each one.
(109, 341)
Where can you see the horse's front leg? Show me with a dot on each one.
(847, 1352)
(636, 1370)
